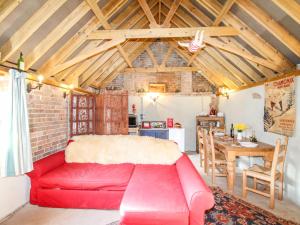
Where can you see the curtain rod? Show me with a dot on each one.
(33, 77)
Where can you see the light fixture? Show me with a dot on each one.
(223, 91)
(70, 87)
(40, 79)
(153, 96)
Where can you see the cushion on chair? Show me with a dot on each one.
(88, 176)
(154, 196)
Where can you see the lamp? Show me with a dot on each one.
(40, 79)
(153, 96)
(224, 91)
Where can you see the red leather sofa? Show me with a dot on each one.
(145, 194)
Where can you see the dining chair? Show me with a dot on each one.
(216, 160)
(201, 146)
(268, 176)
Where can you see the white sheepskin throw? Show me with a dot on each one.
(115, 149)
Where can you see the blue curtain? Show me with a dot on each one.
(16, 157)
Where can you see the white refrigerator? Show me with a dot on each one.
(177, 135)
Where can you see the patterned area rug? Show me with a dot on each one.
(232, 210)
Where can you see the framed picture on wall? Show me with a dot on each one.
(157, 87)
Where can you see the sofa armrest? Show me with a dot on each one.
(41, 167)
(47, 164)
(197, 194)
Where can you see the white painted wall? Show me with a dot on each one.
(182, 108)
(14, 192)
(241, 107)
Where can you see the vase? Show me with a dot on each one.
(239, 136)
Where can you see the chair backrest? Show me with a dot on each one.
(279, 156)
(200, 138)
(209, 142)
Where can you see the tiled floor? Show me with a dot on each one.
(33, 215)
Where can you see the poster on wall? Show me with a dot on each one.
(280, 110)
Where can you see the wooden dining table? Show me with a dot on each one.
(233, 149)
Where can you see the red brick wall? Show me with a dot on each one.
(48, 121)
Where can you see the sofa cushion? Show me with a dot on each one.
(88, 176)
(154, 196)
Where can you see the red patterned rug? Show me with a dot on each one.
(230, 210)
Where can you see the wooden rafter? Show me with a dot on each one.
(247, 34)
(167, 56)
(225, 9)
(243, 54)
(152, 57)
(162, 32)
(89, 74)
(231, 58)
(107, 78)
(78, 39)
(147, 10)
(271, 25)
(131, 12)
(290, 7)
(193, 57)
(97, 11)
(58, 32)
(161, 69)
(96, 51)
(14, 43)
(6, 7)
(236, 60)
(171, 13)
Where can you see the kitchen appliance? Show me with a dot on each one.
(132, 120)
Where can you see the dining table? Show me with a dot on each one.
(233, 149)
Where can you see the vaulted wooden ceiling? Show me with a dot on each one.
(89, 42)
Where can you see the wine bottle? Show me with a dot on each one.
(21, 63)
(232, 131)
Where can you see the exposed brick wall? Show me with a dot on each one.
(200, 83)
(183, 82)
(48, 121)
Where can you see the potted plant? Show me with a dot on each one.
(240, 127)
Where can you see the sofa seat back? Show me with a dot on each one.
(154, 196)
(88, 176)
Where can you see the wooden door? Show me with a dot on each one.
(112, 113)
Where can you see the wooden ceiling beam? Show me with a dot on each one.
(97, 11)
(253, 58)
(104, 80)
(290, 7)
(171, 13)
(227, 64)
(144, 5)
(133, 12)
(138, 20)
(107, 45)
(56, 34)
(247, 34)
(246, 70)
(167, 56)
(106, 70)
(152, 57)
(162, 32)
(260, 16)
(161, 69)
(14, 43)
(227, 6)
(6, 7)
(78, 39)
